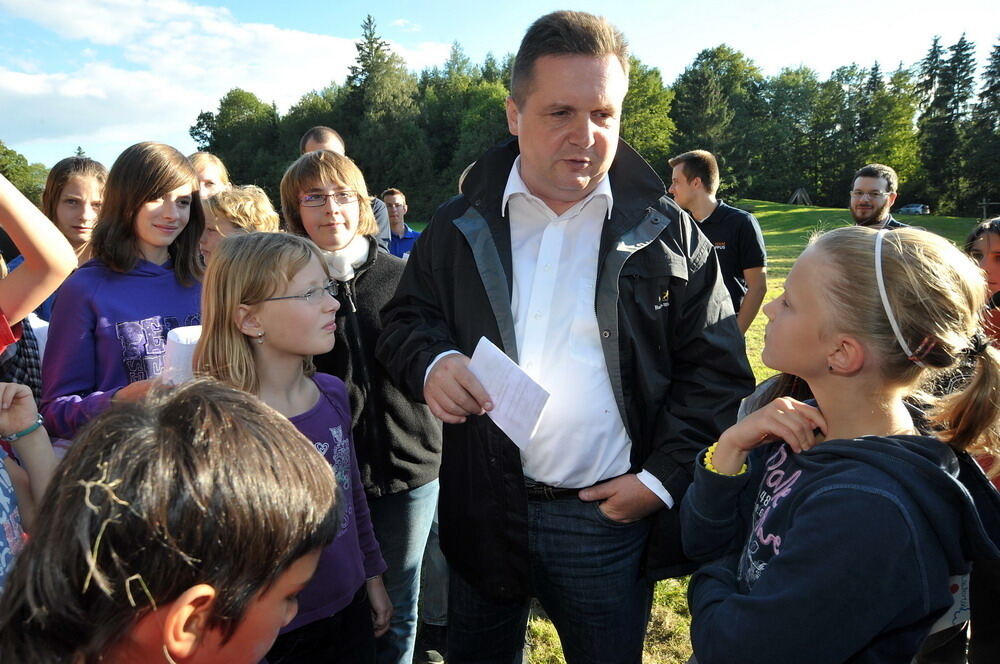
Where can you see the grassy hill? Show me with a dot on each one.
(787, 229)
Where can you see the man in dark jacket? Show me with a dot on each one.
(564, 251)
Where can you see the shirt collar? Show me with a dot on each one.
(515, 185)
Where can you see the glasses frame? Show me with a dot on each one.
(351, 197)
(332, 288)
(870, 195)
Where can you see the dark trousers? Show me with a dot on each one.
(585, 572)
(347, 637)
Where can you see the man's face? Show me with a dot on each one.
(870, 201)
(682, 189)
(331, 143)
(567, 125)
(396, 206)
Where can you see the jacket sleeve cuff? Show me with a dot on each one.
(715, 497)
(437, 359)
(649, 480)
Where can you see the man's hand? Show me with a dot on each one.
(625, 498)
(452, 391)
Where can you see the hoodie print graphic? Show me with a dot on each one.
(144, 343)
(762, 545)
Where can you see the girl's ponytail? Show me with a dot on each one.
(969, 419)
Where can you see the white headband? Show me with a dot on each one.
(885, 300)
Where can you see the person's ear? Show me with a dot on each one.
(246, 321)
(186, 622)
(512, 114)
(892, 198)
(847, 357)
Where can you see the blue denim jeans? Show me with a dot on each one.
(402, 522)
(585, 572)
(434, 581)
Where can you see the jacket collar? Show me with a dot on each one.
(635, 186)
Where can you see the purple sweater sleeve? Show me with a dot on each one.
(69, 369)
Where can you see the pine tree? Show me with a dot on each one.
(981, 144)
(941, 125)
(930, 70)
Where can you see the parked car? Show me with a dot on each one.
(915, 208)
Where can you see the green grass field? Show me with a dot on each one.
(786, 230)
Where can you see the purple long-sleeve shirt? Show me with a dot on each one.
(354, 555)
(108, 329)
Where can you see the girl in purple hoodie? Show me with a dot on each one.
(107, 335)
(269, 307)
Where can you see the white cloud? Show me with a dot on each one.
(406, 25)
(176, 59)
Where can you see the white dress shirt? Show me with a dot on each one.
(580, 439)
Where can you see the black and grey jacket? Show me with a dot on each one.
(674, 354)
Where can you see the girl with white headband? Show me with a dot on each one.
(839, 533)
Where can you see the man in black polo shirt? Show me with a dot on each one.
(736, 235)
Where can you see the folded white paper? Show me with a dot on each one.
(179, 356)
(518, 401)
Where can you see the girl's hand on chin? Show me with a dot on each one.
(783, 419)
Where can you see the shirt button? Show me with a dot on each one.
(605, 333)
(538, 314)
(547, 268)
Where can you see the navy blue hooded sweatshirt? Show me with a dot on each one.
(839, 554)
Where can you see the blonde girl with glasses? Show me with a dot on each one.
(269, 306)
(839, 532)
(324, 198)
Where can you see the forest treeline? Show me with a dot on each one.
(773, 135)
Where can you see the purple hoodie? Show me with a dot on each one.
(354, 555)
(108, 329)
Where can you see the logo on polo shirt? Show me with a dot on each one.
(663, 301)
(720, 245)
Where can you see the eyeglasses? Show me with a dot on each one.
(319, 200)
(857, 193)
(312, 295)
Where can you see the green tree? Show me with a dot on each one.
(646, 123)
(788, 131)
(941, 125)
(718, 106)
(28, 178)
(378, 103)
(981, 145)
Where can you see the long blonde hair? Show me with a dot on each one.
(936, 294)
(246, 269)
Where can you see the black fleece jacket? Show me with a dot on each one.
(398, 441)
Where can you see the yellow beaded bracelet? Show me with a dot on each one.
(709, 466)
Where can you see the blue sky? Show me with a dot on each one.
(104, 74)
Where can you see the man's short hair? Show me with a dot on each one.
(699, 164)
(320, 134)
(564, 33)
(879, 171)
(392, 191)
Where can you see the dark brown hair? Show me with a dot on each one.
(320, 134)
(60, 175)
(143, 173)
(980, 229)
(200, 483)
(699, 164)
(564, 33)
(879, 171)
